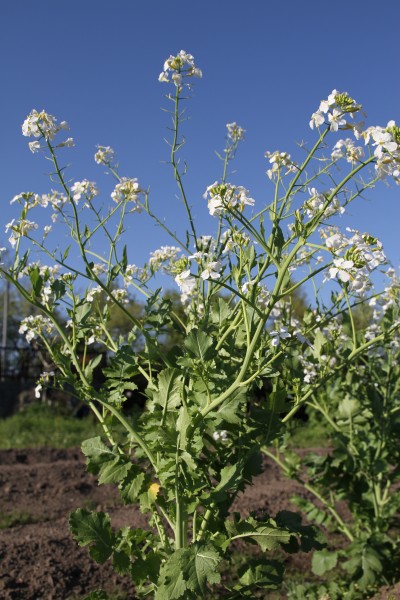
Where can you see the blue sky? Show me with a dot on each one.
(265, 65)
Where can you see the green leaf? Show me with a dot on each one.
(202, 567)
(319, 342)
(58, 288)
(323, 561)
(169, 394)
(230, 477)
(199, 344)
(348, 408)
(123, 365)
(82, 312)
(36, 281)
(230, 410)
(266, 534)
(114, 471)
(93, 528)
(97, 453)
(171, 583)
(262, 574)
(220, 312)
(108, 463)
(90, 367)
(188, 569)
(132, 485)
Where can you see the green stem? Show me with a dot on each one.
(342, 526)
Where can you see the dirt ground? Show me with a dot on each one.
(39, 560)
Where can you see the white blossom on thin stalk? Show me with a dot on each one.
(19, 229)
(128, 190)
(38, 124)
(165, 254)
(35, 325)
(334, 109)
(226, 196)
(235, 132)
(181, 65)
(281, 162)
(104, 156)
(84, 188)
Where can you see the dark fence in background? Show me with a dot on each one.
(20, 364)
(20, 368)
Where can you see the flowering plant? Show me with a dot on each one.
(197, 444)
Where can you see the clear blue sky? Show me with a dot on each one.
(265, 65)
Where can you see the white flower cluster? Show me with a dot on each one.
(178, 67)
(354, 257)
(104, 155)
(206, 243)
(48, 273)
(225, 196)
(317, 202)
(232, 239)
(128, 190)
(279, 161)
(84, 188)
(334, 108)
(312, 369)
(348, 150)
(161, 256)
(235, 132)
(19, 229)
(34, 326)
(386, 141)
(38, 124)
(220, 435)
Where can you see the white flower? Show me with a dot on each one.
(163, 255)
(347, 149)
(128, 190)
(226, 196)
(341, 270)
(212, 271)
(104, 155)
(336, 119)
(186, 282)
(38, 390)
(215, 206)
(34, 147)
(90, 294)
(84, 188)
(235, 132)
(336, 241)
(220, 435)
(18, 229)
(38, 124)
(278, 336)
(326, 104)
(181, 65)
(317, 119)
(68, 143)
(383, 141)
(279, 160)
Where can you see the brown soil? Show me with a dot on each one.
(39, 560)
